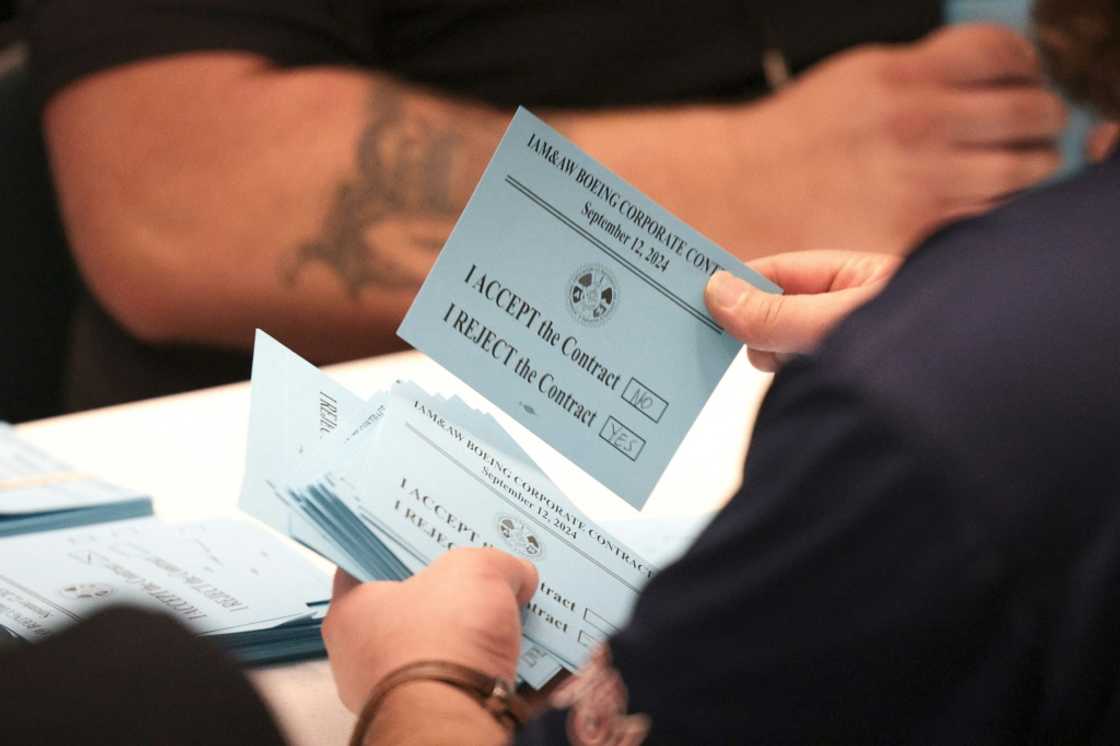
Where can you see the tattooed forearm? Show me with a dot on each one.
(387, 222)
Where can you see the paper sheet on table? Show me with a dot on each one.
(32, 481)
(214, 576)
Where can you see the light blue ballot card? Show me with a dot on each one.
(40, 493)
(575, 303)
(427, 485)
(216, 577)
(303, 424)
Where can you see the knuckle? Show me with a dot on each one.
(907, 125)
(867, 267)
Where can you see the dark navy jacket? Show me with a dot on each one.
(926, 547)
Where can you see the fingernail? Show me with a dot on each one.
(726, 290)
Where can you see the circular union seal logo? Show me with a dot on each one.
(519, 538)
(592, 295)
(86, 591)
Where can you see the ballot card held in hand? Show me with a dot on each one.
(428, 485)
(575, 304)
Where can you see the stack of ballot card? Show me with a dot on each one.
(39, 493)
(383, 486)
(226, 580)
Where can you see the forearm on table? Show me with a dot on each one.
(432, 714)
(208, 194)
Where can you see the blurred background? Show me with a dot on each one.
(38, 283)
(296, 166)
(65, 350)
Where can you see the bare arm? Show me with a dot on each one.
(871, 150)
(208, 194)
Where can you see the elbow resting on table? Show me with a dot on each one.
(184, 182)
(148, 303)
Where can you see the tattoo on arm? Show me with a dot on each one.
(381, 217)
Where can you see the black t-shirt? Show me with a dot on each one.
(578, 53)
(926, 546)
(506, 52)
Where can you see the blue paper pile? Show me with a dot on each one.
(383, 486)
(226, 580)
(40, 493)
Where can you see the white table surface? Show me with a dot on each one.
(187, 452)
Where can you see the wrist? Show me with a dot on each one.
(422, 712)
